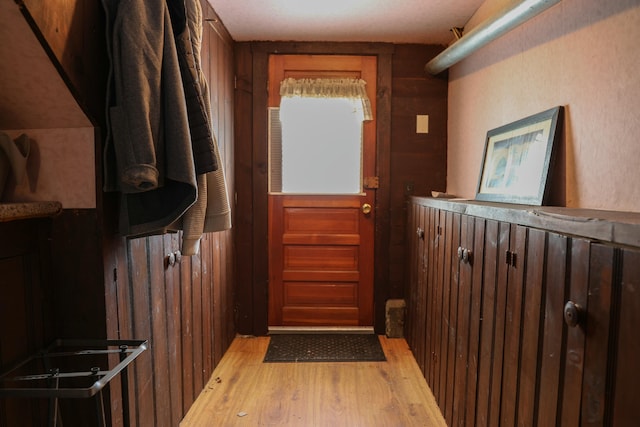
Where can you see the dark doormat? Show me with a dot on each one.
(324, 348)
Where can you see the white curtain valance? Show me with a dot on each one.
(351, 89)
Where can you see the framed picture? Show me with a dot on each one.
(517, 156)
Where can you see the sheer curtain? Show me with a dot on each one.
(353, 90)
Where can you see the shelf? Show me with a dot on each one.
(606, 226)
(26, 210)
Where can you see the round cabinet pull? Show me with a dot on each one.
(171, 259)
(573, 314)
(466, 255)
(460, 252)
(420, 233)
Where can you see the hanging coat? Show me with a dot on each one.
(211, 212)
(160, 150)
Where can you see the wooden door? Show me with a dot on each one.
(321, 246)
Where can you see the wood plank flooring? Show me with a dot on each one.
(244, 391)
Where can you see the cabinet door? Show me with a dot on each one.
(602, 277)
(416, 297)
(512, 297)
(434, 295)
(625, 405)
(553, 333)
(467, 324)
(451, 233)
(492, 327)
(542, 362)
(611, 375)
(575, 335)
(531, 332)
(542, 366)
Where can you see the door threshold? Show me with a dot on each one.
(273, 330)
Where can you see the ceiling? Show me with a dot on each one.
(391, 21)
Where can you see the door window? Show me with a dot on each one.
(316, 138)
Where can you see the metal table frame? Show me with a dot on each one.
(128, 351)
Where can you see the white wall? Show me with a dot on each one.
(583, 54)
(60, 167)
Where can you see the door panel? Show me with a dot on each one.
(320, 293)
(321, 246)
(330, 259)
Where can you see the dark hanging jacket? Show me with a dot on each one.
(148, 153)
(195, 86)
(159, 149)
(211, 212)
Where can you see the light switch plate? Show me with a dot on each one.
(422, 123)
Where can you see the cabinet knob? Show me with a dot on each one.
(573, 314)
(420, 233)
(171, 259)
(460, 252)
(466, 255)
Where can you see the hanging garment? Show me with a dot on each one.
(186, 21)
(211, 212)
(160, 148)
(149, 129)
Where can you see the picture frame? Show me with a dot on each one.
(517, 159)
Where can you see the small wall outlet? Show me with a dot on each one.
(422, 123)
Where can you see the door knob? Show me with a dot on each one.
(366, 209)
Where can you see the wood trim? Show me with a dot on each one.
(260, 189)
(244, 203)
(337, 48)
(383, 198)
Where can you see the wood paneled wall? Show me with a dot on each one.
(418, 163)
(184, 310)
(403, 158)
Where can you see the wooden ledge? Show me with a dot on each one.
(606, 226)
(25, 210)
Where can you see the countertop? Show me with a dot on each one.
(12, 211)
(602, 225)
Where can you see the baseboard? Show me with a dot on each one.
(320, 329)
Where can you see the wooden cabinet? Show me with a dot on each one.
(488, 289)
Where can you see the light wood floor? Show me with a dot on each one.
(243, 391)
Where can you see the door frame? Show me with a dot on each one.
(251, 222)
